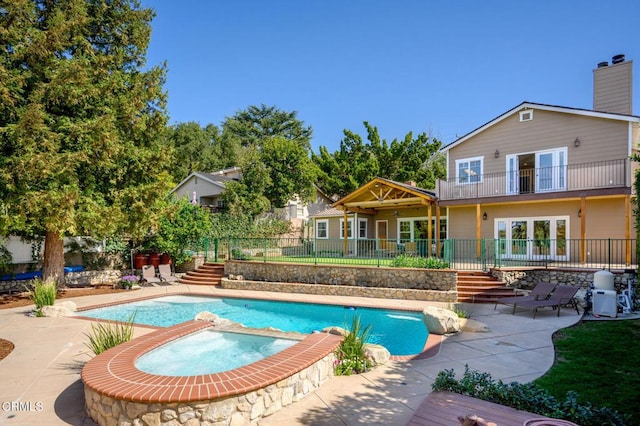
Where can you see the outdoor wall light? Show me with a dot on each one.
(496, 154)
(576, 143)
(580, 213)
(484, 216)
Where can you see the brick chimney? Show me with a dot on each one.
(612, 89)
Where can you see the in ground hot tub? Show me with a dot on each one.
(115, 389)
(210, 351)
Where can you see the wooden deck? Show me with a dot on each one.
(443, 409)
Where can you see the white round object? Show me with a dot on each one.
(603, 280)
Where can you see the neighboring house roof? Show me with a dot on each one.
(329, 212)
(212, 178)
(545, 107)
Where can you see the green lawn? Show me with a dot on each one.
(600, 360)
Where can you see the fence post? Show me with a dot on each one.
(315, 251)
(264, 256)
(215, 249)
(609, 252)
(483, 244)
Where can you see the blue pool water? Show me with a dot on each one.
(208, 352)
(401, 332)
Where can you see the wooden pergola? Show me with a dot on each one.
(384, 194)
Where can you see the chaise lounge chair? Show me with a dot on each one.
(166, 274)
(541, 291)
(562, 295)
(149, 275)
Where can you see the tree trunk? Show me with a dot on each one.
(53, 258)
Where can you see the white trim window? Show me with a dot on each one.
(349, 229)
(526, 115)
(322, 229)
(469, 170)
(362, 228)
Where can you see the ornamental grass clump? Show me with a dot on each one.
(107, 335)
(43, 294)
(351, 355)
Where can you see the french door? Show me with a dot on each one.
(541, 171)
(535, 238)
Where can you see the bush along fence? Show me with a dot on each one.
(481, 254)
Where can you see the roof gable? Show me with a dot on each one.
(215, 180)
(543, 107)
(380, 194)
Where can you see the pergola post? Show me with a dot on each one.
(344, 235)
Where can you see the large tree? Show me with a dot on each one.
(256, 124)
(81, 120)
(275, 159)
(412, 158)
(197, 149)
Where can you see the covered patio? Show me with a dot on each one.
(391, 217)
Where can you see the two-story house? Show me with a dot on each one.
(549, 182)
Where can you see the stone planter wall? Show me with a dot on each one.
(392, 283)
(245, 409)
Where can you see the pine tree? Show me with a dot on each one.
(81, 120)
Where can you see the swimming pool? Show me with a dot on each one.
(401, 332)
(209, 351)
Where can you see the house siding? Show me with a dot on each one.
(600, 139)
(603, 217)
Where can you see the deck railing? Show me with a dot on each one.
(601, 174)
(458, 254)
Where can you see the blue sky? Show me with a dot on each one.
(441, 67)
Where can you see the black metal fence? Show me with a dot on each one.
(459, 254)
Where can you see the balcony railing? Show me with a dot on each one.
(597, 175)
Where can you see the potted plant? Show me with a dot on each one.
(127, 281)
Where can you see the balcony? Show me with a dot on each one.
(585, 176)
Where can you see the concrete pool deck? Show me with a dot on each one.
(41, 377)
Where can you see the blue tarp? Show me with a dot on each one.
(35, 274)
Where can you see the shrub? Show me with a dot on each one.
(238, 254)
(6, 259)
(107, 335)
(43, 294)
(128, 281)
(404, 261)
(351, 355)
(526, 397)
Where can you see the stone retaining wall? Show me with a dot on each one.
(246, 409)
(527, 279)
(73, 279)
(393, 283)
(342, 290)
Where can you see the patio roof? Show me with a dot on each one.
(383, 194)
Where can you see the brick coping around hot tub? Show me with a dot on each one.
(113, 373)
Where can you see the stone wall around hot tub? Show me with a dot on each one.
(242, 409)
(437, 285)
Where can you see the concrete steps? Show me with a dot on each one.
(481, 287)
(207, 274)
